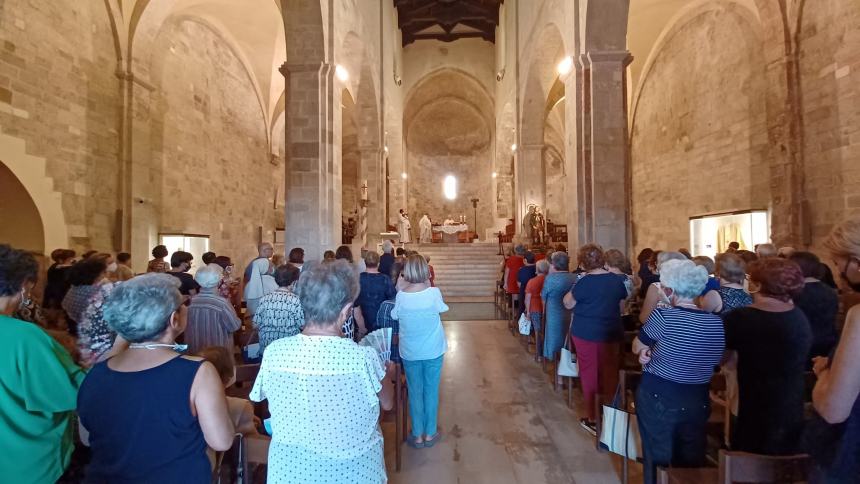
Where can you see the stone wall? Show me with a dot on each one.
(58, 93)
(210, 138)
(699, 133)
(829, 43)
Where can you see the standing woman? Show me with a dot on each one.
(422, 347)
(836, 394)
(158, 264)
(149, 410)
(325, 391)
(772, 338)
(679, 345)
(533, 303)
(556, 285)
(57, 284)
(597, 301)
(732, 271)
(38, 385)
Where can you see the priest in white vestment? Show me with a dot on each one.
(426, 229)
(403, 227)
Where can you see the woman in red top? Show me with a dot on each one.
(533, 301)
(512, 267)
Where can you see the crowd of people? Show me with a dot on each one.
(108, 354)
(765, 319)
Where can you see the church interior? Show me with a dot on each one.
(482, 126)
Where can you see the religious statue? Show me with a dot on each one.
(527, 220)
(426, 226)
(538, 227)
(403, 226)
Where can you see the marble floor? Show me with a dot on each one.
(500, 419)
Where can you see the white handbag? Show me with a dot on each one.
(567, 364)
(619, 433)
(525, 324)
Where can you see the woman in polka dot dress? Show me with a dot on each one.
(324, 390)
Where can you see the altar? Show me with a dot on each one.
(451, 233)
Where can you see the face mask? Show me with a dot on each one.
(111, 267)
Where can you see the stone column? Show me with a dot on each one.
(609, 148)
(574, 184)
(372, 173)
(311, 220)
(139, 200)
(530, 181)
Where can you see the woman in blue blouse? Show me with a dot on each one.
(557, 283)
(679, 347)
(597, 301)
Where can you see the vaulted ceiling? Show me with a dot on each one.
(447, 20)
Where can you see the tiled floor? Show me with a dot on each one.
(500, 420)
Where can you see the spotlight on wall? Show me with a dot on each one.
(495, 175)
(403, 175)
(341, 73)
(514, 147)
(564, 67)
(386, 149)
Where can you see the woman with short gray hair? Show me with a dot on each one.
(654, 295)
(678, 346)
(211, 318)
(130, 402)
(556, 285)
(325, 391)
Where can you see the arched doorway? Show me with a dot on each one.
(16, 204)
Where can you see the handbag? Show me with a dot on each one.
(525, 324)
(619, 433)
(567, 361)
(251, 351)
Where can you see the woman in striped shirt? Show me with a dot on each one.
(679, 347)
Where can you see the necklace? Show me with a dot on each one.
(155, 346)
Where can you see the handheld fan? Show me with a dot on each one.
(380, 340)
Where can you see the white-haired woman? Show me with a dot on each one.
(211, 318)
(325, 391)
(133, 401)
(386, 260)
(836, 396)
(654, 294)
(679, 345)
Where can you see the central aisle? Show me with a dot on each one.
(500, 420)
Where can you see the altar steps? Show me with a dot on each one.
(464, 270)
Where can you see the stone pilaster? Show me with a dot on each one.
(312, 199)
(530, 181)
(609, 148)
(372, 172)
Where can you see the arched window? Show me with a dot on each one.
(449, 187)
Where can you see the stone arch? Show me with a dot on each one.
(29, 172)
(540, 77)
(742, 7)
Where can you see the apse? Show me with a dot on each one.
(449, 149)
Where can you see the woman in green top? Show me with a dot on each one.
(38, 385)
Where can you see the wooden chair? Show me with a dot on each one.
(245, 376)
(514, 304)
(695, 475)
(539, 338)
(738, 467)
(231, 466)
(399, 414)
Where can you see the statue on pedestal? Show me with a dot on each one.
(534, 225)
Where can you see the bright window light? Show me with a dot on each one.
(449, 187)
(403, 175)
(341, 73)
(565, 66)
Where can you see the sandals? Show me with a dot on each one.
(431, 440)
(412, 441)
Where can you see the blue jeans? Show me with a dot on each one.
(422, 379)
(672, 423)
